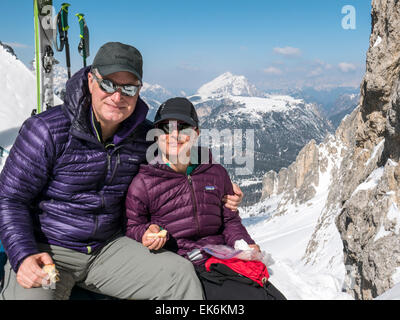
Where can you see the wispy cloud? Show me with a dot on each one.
(16, 45)
(323, 64)
(273, 70)
(316, 72)
(318, 68)
(346, 67)
(287, 51)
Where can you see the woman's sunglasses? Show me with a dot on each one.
(110, 87)
(168, 127)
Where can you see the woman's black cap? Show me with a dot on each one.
(179, 109)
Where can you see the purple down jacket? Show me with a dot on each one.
(60, 185)
(189, 207)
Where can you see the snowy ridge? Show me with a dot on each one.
(268, 104)
(238, 90)
(227, 84)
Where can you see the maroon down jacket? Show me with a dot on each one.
(189, 207)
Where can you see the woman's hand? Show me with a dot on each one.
(255, 247)
(233, 201)
(153, 243)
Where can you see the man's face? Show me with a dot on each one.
(112, 108)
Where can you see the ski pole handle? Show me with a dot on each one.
(83, 47)
(64, 16)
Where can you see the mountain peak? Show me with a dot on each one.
(228, 84)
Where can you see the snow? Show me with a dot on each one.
(391, 294)
(270, 104)
(372, 180)
(381, 233)
(378, 147)
(286, 237)
(396, 276)
(17, 98)
(377, 42)
(227, 84)
(249, 182)
(240, 91)
(394, 215)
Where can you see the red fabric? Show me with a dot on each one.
(255, 270)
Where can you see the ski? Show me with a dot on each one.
(44, 54)
(83, 47)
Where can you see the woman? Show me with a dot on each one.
(184, 197)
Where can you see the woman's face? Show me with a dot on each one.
(176, 140)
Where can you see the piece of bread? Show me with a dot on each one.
(53, 273)
(161, 234)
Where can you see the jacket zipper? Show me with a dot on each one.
(196, 215)
(96, 219)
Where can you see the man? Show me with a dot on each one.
(63, 187)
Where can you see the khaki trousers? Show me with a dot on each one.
(123, 269)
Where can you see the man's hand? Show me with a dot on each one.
(30, 273)
(153, 243)
(233, 201)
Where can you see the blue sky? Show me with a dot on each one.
(275, 44)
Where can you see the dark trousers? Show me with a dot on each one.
(232, 286)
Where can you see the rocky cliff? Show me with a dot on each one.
(360, 215)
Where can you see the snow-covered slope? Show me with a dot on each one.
(17, 98)
(391, 294)
(284, 226)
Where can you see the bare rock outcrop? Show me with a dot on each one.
(363, 200)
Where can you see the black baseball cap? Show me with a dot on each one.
(179, 109)
(115, 57)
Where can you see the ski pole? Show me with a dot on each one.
(83, 47)
(62, 21)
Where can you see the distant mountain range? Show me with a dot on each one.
(334, 103)
(282, 125)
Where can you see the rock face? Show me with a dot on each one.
(370, 219)
(298, 181)
(363, 201)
